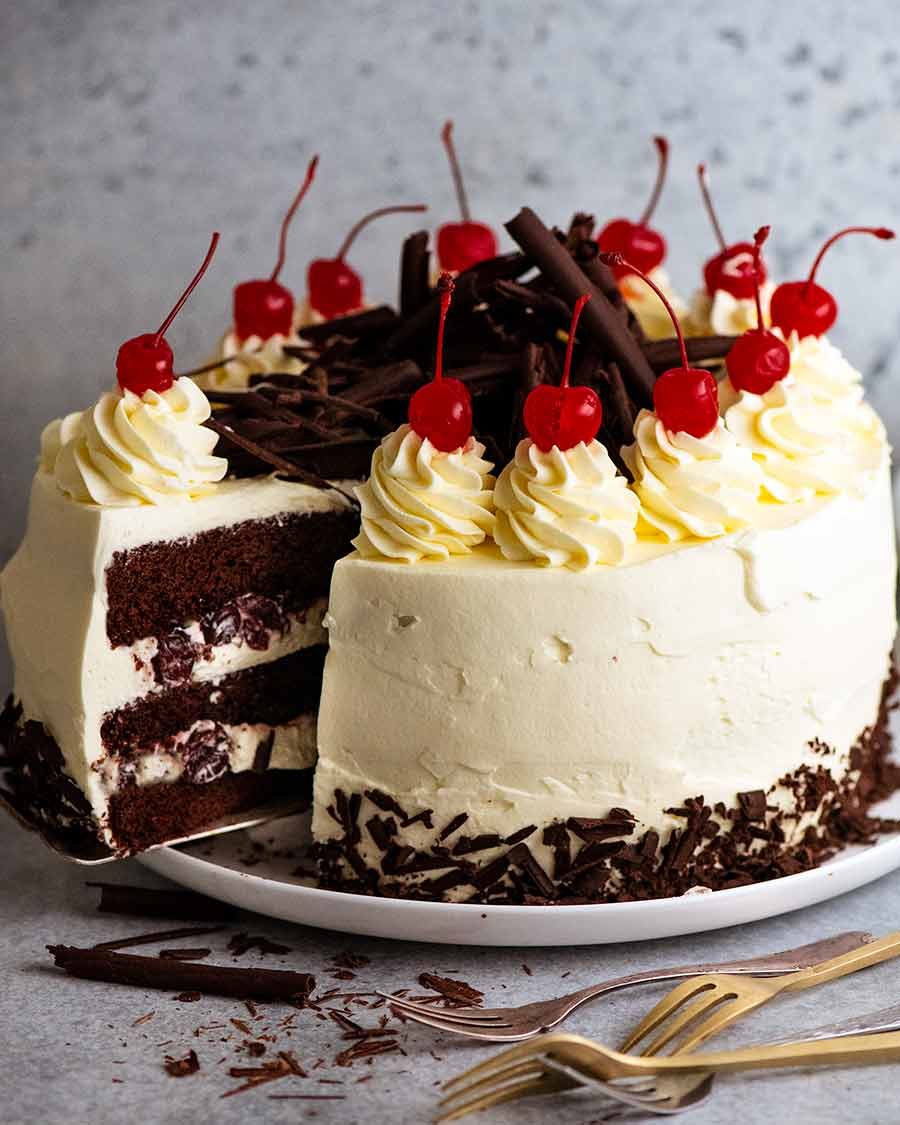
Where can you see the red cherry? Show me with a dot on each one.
(758, 359)
(441, 411)
(333, 287)
(639, 242)
(145, 363)
(734, 269)
(806, 308)
(563, 416)
(685, 398)
(462, 245)
(263, 307)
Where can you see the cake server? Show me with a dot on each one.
(507, 1025)
(97, 852)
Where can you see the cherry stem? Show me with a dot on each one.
(398, 209)
(445, 288)
(286, 221)
(616, 259)
(662, 148)
(570, 343)
(758, 239)
(879, 232)
(708, 204)
(179, 304)
(447, 138)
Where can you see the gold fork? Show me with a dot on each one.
(724, 999)
(518, 1072)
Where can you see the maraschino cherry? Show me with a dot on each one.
(145, 363)
(685, 398)
(758, 359)
(734, 268)
(333, 287)
(805, 307)
(264, 307)
(639, 242)
(563, 416)
(441, 411)
(461, 245)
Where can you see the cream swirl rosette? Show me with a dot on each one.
(724, 315)
(821, 369)
(648, 308)
(564, 507)
(420, 503)
(689, 486)
(129, 449)
(802, 444)
(241, 359)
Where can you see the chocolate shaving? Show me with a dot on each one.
(184, 954)
(242, 943)
(662, 354)
(151, 972)
(415, 288)
(455, 990)
(159, 936)
(600, 319)
(181, 1068)
(148, 902)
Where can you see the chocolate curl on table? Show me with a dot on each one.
(600, 319)
(415, 283)
(663, 354)
(183, 976)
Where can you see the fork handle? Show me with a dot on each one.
(885, 1019)
(854, 1050)
(772, 964)
(872, 954)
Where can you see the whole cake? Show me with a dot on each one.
(586, 684)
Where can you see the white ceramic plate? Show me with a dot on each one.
(216, 867)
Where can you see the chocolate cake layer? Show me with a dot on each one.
(141, 816)
(273, 693)
(608, 859)
(159, 586)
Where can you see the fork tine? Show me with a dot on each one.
(491, 1032)
(661, 1011)
(542, 1083)
(520, 1080)
(687, 1015)
(463, 1016)
(716, 1022)
(534, 1048)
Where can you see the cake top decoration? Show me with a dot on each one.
(442, 410)
(734, 268)
(685, 398)
(639, 242)
(758, 359)
(563, 416)
(145, 362)
(333, 287)
(464, 244)
(805, 307)
(264, 307)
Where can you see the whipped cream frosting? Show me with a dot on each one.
(564, 507)
(254, 356)
(648, 308)
(801, 444)
(128, 449)
(420, 503)
(724, 315)
(688, 486)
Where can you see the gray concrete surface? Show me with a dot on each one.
(130, 130)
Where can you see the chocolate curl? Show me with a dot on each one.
(600, 319)
(174, 976)
(663, 354)
(415, 287)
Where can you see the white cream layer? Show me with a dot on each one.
(521, 695)
(53, 596)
